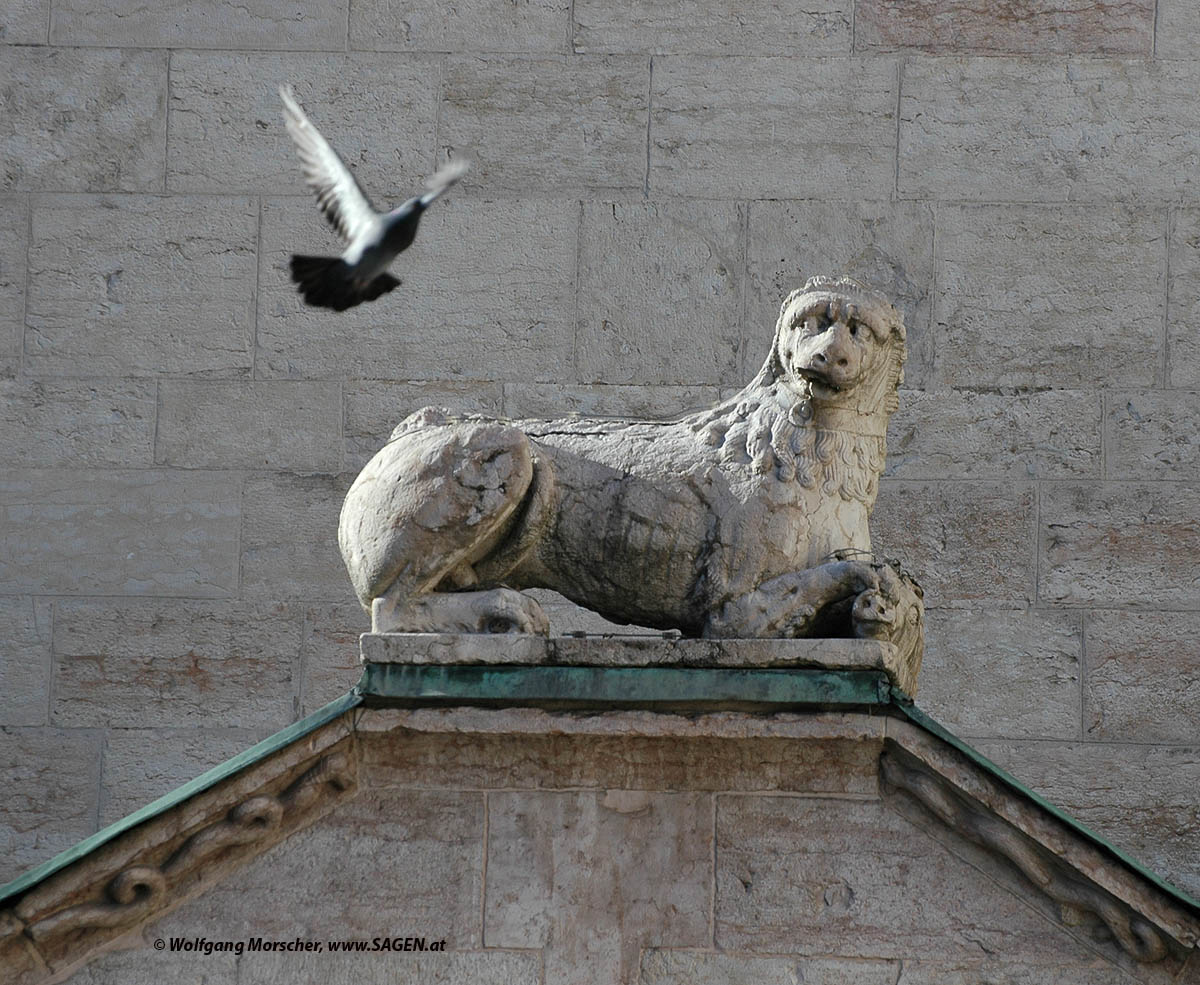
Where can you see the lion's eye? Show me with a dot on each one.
(854, 328)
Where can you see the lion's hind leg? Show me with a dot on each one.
(495, 610)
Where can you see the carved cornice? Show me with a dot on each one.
(1079, 901)
(68, 920)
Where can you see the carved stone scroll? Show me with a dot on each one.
(1077, 900)
(142, 889)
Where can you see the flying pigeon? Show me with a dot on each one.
(373, 239)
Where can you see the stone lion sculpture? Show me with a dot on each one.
(745, 520)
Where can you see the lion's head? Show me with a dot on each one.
(839, 344)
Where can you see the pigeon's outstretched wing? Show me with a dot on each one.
(338, 194)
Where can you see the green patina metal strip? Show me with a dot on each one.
(254, 754)
(920, 719)
(656, 688)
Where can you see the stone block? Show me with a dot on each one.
(227, 131)
(406, 758)
(1043, 27)
(1052, 130)
(1120, 544)
(1012, 672)
(960, 434)
(965, 542)
(539, 26)
(1031, 296)
(999, 971)
(488, 294)
(82, 119)
(565, 125)
(329, 658)
(14, 245)
(1183, 301)
(660, 292)
(138, 286)
(146, 532)
(142, 764)
(24, 660)
(717, 27)
(888, 245)
(142, 663)
(90, 423)
(1178, 29)
(387, 863)
(1150, 434)
(51, 780)
(451, 968)
(142, 965)
(1143, 676)
(259, 425)
(24, 22)
(373, 409)
(259, 24)
(557, 861)
(547, 400)
(664, 967)
(289, 537)
(722, 127)
(841, 877)
(1145, 799)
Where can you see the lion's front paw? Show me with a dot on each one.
(894, 612)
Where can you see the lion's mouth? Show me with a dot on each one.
(822, 385)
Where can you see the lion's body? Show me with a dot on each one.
(733, 521)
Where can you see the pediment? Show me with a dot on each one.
(650, 827)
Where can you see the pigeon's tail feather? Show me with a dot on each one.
(328, 282)
(443, 178)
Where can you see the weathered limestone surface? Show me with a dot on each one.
(652, 851)
(1143, 676)
(1139, 796)
(721, 123)
(539, 26)
(138, 286)
(576, 124)
(1051, 434)
(786, 27)
(1119, 544)
(1006, 129)
(210, 24)
(1017, 651)
(329, 654)
(1183, 299)
(371, 409)
(51, 794)
(87, 423)
(25, 660)
(289, 539)
(686, 256)
(14, 247)
(131, 779)
(1040, 27)
(1150, 434)
(1178, 29)
(887, 244)
(82, 120)
(970, 539)
(644, 402)
(481, 276)
(138, 663)
(386, 101)
(1026, 296)
(259, 425)
(144, 532)
(24, 22)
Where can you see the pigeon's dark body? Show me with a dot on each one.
(373, 239)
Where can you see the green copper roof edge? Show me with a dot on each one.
(257, 752)
(922, 720)
(614, 687)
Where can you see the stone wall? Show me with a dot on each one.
(177, 432)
